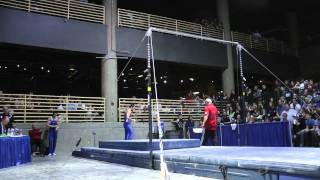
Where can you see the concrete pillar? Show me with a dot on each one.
(227, 74)
(109, 68)
(293, 28)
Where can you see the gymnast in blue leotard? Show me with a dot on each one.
(53, 124)
(127, 124)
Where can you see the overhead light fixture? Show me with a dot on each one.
(196, 93)
(42, 68)
(124, 80)
(140, 76)
(165, 81)
(181, 81)
(18, 65)
(48, 70)
(125, 87)
(0, 67)
(24, 69)
(122, 74)
(212, 81)
(72, 68)
(131, 69)
(191, 79)
(5, 67)
(160, 77)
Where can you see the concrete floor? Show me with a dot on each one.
(67, 167)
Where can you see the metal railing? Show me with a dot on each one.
(37, 108)
(69, 9)
(139, 20)
(134, 19)
(169, 109)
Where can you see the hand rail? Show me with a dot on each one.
(70, 9)
(37, 108)
(139, 20)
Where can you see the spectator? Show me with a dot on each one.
(179, 125)
(35, 139)
(6, 113)
(189, 125)
(284, 117)
(308, 135)
(4, 122)
(256, 36)
(292, 114)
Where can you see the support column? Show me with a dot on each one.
(109, 68)
(227, 74)
(293, 27)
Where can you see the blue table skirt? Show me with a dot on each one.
(276, 134)
(14, 151)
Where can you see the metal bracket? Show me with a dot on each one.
(224, 171)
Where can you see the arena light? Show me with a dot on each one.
(196, 93)
(124, 80)
(18, 65)
(131, 69)
(191, 79)
(24, 69)
(140, 76)
(165, 81)
(5, 67)
(48, 70)
(42, 68)
(181, 81)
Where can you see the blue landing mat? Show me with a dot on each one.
(143, 144)
(202, 160)
(304, 161)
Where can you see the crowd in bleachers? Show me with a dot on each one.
(297, 102)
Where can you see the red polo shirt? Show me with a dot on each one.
(211, 111)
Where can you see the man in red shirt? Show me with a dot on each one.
(35, 137)
(209, 122)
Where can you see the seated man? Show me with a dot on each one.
(308, 134)
(179, 122)
(35, 137)
(189, 125)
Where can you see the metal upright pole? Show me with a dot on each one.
(149, 90)
(243, 93)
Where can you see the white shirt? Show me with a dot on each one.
(291, 113)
